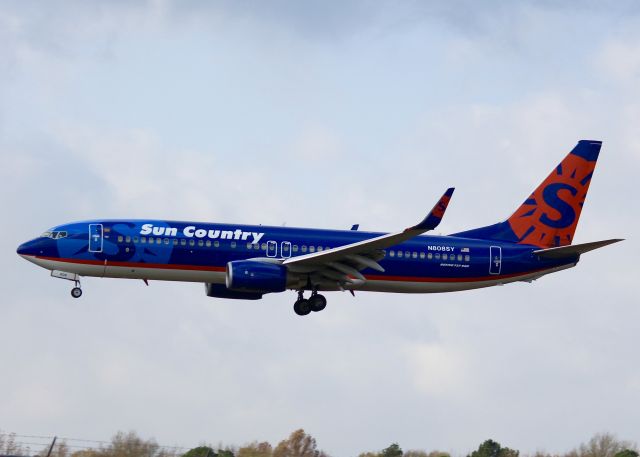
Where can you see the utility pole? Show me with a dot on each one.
(53, 443)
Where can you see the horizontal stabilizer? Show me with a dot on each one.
(572, 250)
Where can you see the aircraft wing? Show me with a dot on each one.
(345, 262)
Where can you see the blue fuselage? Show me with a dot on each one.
(200, 252)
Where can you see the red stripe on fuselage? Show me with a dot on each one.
(450, 279)
(373, 277)
(110, 263)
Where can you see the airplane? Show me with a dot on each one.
(248, 261)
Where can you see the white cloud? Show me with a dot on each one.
(152, 110)
(438, 369)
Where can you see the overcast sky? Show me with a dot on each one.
(318, 114)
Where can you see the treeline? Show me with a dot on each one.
(298, 444)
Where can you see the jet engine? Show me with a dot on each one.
(257, 277)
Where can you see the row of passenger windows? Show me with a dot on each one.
(294, 248)
(429, 256)
(209, 243)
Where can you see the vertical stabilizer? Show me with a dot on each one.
(549, 217)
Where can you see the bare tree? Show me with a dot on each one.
(9, 445)
(255, 449)
(601, 445)
(299, 444)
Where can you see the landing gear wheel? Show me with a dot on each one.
(76, 292)
(302, 307)
(318, 302)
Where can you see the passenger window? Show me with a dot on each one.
(392, 253)
(400, 254)
(192, 243)
(143, 239)
(128, 239)
(208, 243)
(407, 254)
(320, 248)
(166, 241)
(120, 239)
(467, 258)
(445, 256)
(175, 241)
(414, 255)
(200, 243)
(312, 249)
(429, 256)
(295, 248)
(304, 248)
(216, 244)
(422, 255)
(249, 246)
(264, 246)
(135, 239)
(437, 256)
(183, 242)
(459, 257)
(256, 247)
(233, 245)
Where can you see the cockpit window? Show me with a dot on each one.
(54, 235)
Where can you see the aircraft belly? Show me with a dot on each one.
(422, 287)
(165, 274)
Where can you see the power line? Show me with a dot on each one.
(80, 440)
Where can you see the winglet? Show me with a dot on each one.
(435, 216)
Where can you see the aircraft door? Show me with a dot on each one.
(272, 248)
(95, 238)
(285, 249)
(495, 260)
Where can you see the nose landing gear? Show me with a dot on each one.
(76, 292)
(315, 303)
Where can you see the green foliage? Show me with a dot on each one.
(200, 451)
(393, 450)
(627, 453)
(492, 448)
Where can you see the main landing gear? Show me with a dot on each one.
(304, 306)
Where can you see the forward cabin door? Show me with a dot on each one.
(95, 238)
(495, 259)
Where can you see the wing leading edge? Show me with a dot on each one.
(345, 262)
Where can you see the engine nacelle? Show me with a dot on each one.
(252, 276)
(221, 291)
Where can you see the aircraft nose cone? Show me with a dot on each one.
(22, 249)
(26, 248)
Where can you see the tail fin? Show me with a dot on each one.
(549, 217)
